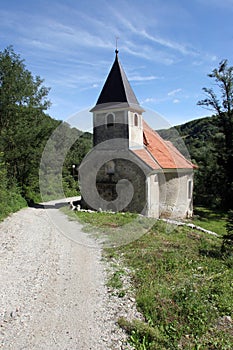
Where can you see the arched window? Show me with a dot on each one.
(135, 119)
(110, 120)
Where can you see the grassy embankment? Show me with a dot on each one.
(11, 201)
(183, 286)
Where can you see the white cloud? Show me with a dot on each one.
(182, 48)
(176, 100)
(174, 92)
(148, 53)
(148, 100)
(141, 78)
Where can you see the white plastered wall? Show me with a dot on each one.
(135, 131)
(153, 196)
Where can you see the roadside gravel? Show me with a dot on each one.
(53, 293)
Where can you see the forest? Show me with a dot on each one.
(25, 128)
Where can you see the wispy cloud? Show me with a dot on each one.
(174, 92)
(147, 52)
(142, 78)
(149, 100)
(182, 48)
(166, 97)
(74, 50)
(160, 40)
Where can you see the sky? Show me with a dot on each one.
(166, 47)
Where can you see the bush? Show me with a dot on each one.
(11, 199)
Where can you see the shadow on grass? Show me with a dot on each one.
(212, 253)
(208, 214)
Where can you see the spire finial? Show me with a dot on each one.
(117, 38)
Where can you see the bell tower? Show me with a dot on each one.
(117, 113)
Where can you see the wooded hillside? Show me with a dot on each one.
(200, 136)
(25, 128)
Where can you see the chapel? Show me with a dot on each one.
(131, 167)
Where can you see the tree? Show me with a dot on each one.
(24, 127)
(18, 88)
(222, 105)
(25, 130)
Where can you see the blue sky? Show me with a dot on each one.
(167, 48)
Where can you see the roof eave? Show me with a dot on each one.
(177, 170)
(117, 105)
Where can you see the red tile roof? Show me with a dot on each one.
(147, 158)
(159, 153)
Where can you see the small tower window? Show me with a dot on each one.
(110, 120)
(135, 119)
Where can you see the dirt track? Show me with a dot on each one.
(53, 293)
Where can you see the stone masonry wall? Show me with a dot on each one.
(124, 169)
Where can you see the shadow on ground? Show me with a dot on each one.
(48, 206)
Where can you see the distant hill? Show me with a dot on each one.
(197, 135)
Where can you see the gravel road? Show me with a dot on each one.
(53, 293)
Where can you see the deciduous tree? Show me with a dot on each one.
(220, 101)
(24, 127)
(18, 88)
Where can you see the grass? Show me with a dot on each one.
(183, 285)
(116, 284)
(105, 219)
(183, 288)
(114, 229)
(211, 220)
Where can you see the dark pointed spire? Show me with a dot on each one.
(117, 89)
